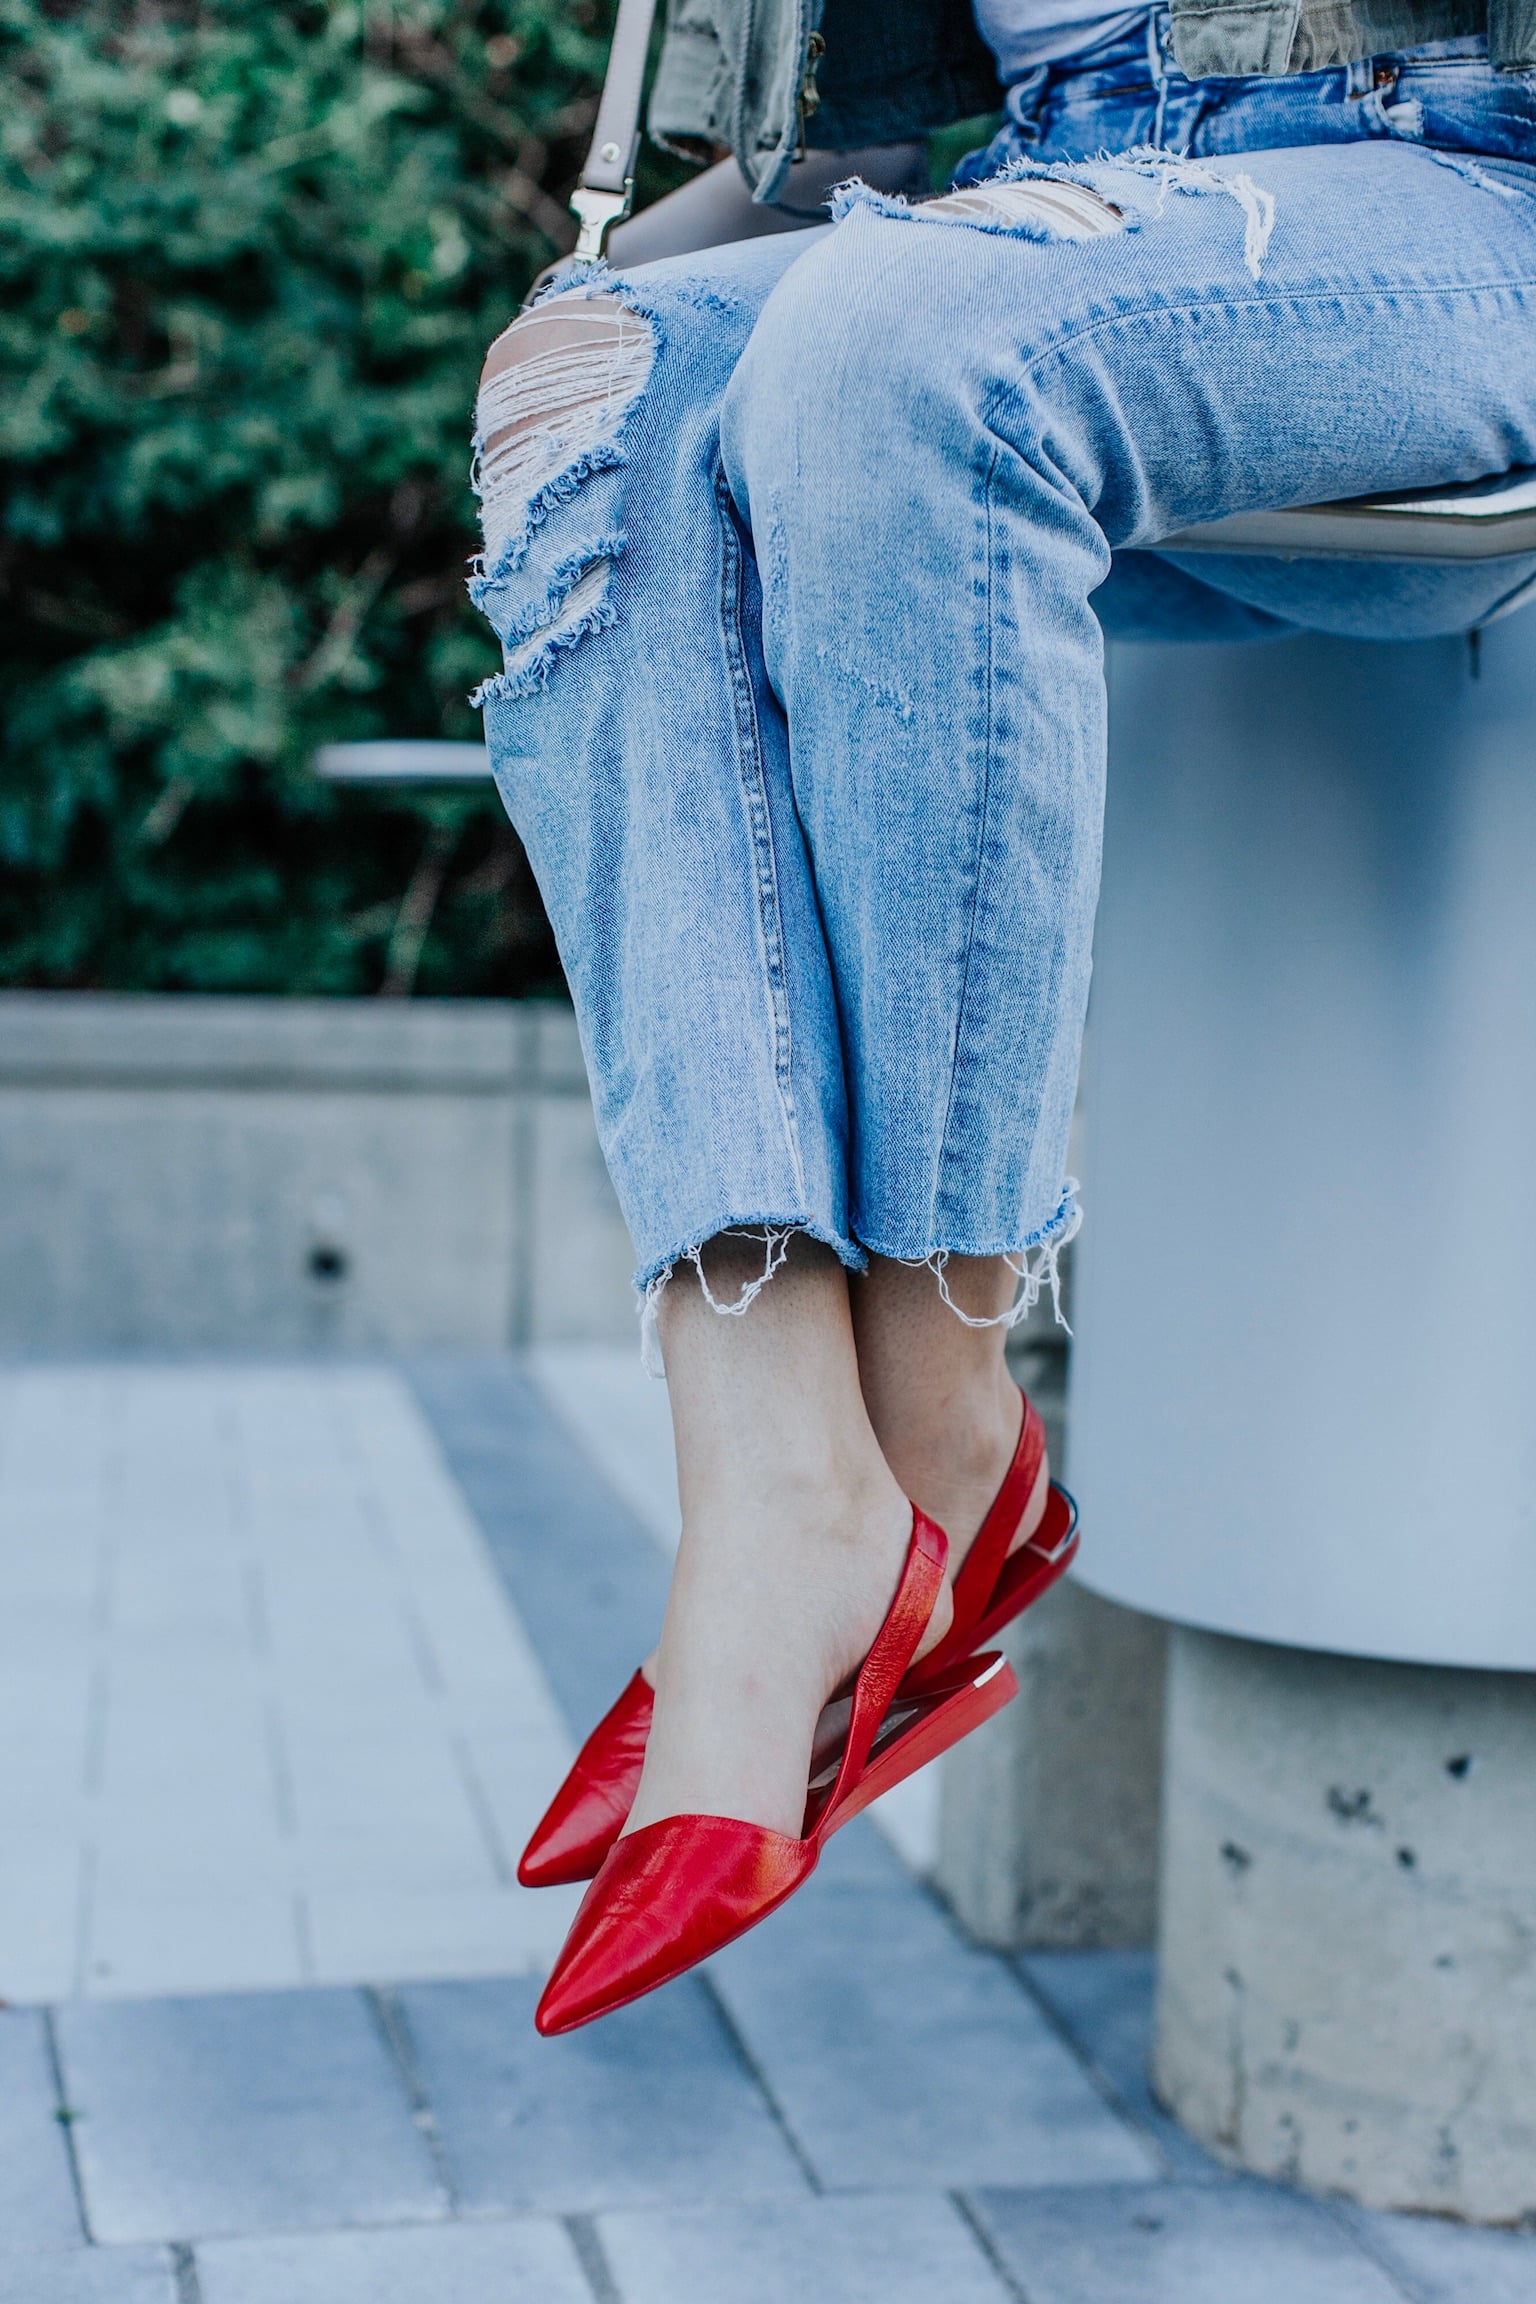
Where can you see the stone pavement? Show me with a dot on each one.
(314, 1641)
(266, 1714)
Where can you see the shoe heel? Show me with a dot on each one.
(1030, 1572)
(990, 1682)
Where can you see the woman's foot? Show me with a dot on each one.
(795, 1533)
(773, 1610)
(938, 1396)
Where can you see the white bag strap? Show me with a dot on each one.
(606, 192)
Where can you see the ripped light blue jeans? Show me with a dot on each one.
(801, 553)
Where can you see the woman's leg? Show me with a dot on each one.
(795, 1529)
(802, 1433)
(935, 1382)
(935, 433)
(795, 1525)
(644, 760)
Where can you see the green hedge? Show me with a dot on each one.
(251, 253)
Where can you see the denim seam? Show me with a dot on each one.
(978, 861)
(749, 752)
(1009, 389)
(1087, 331)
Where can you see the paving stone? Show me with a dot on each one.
(37, 2197)
(859, 1856)
(1103, 2000)
(653, 2104)
(592, 1596)
(303, 1673)
(506, 1931)
(882, 2249)
(900, 2055)
(1452, 2264)
(622, 1420)
(514, 1771)
(1237, 2243)
(523, 2263)
(88, 2276)
(39, 1916)
(158, 1847)
(178, 1944)
(246, 2113)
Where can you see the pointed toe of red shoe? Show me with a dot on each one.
(589, 1811)
(667, 1896)
(577, 1829)
(571, 1846)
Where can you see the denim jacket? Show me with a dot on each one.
(757, 76)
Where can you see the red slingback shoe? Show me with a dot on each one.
(588, 1812)
(670, 1894)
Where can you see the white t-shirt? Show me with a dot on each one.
(1024, 33)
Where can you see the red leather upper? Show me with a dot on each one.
(587, 1814)
(666, 1897)
(982, 1565)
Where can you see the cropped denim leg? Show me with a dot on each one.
(945, 420)
(803, 714)
(644, 761)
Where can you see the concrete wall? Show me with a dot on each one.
(193, 1173)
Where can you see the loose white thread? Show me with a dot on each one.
(1034, 1274)
(553, 403)
(1178, 174)
(775, 1240)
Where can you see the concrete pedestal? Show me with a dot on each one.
(1048, 1823)
(1302, 1385)
(1347, 1994)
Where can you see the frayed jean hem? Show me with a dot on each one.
(774, 1233)
(1035, 1261)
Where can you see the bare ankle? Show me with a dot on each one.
(971, 1421)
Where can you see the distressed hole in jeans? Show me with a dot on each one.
(556, 387)
(582, 610)
(1057, 210)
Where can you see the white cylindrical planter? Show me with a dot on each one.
(1303, 1383)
